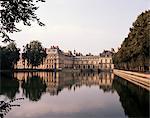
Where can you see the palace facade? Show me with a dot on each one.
(58, 59)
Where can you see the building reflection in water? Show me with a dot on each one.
(35, 83)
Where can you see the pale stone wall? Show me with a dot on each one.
(93, 62)
(22, 64)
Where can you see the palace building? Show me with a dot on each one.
(58, 59)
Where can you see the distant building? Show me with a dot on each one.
(57, 59)
(93, 62)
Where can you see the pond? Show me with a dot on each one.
(71, 95)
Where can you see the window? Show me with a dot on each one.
(110, 61)
(105, 60)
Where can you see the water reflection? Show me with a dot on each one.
(134, 99)
(34, 84)
(33, 87)
(75, 95)
(9, 85)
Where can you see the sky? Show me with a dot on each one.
(83, 25)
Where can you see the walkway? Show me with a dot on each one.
(139, 79)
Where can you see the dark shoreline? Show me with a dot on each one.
(36, 70)
(53, 70)
(28, 70)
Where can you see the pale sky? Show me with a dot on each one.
(84, 25)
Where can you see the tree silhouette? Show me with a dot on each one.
(34, 53)
(9, 56)
(16, 11)
(5, 107)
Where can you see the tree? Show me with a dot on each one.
(9, 56)
(34, 53)
(134, 51)
(16, 11)
(13, 53)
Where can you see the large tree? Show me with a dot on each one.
(16, 11)
(34, 53)
(9, 56)
(134, 51)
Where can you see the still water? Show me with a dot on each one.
(71, 95)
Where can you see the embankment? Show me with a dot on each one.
(140, 79)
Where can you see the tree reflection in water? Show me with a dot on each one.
(134, 99)
(9, 85)
(33, 87)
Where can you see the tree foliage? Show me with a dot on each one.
(16, 11)
(34, 53)
(9, 56)
(134, 51)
